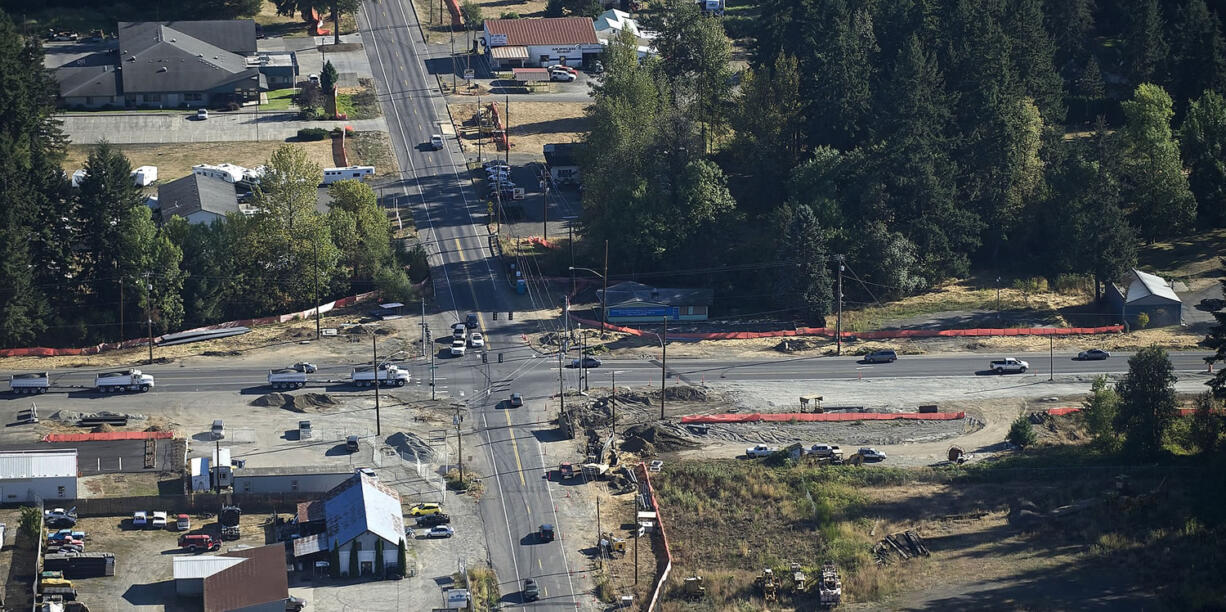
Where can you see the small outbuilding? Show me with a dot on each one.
(30, 476)
(631, 302)
(251, 580)
(1146, 294)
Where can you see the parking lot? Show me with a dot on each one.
(144, 562)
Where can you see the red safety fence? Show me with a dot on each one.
(874, 335)
(541, 242)
(317, 22)
(39, 351)
(109, 435)
(500, 132)
(457, 18)
(784, 417)
(668, 553)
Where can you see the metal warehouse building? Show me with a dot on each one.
(297, 479)
(29, 476)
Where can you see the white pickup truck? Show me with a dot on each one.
(287, 378)
(33, 382)
(127, 380)
(390, 375)
(761, 450)
(1008, 364)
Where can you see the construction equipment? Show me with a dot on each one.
(798, 578)
(566, 471)
(694, 589)
(613, 546)
(830, 588)
(816, 400)
(767, 584)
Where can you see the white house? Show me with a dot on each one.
(613, 22)
(28, 476)
(522, 43)
(359, 514)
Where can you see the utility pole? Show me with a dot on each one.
(663, 375)
(1051, 358)
(460, 441)
(838, 326)
(583, 357)
(453, 81)
(480, 129)
(545, 210)
(570, 228)
(149, 312)
(614, 436)
(636, 547)
(998, 299)
(315, 248)
(572, 273)
(432, 385)
(423, 327)
(374, 360)
(506, 136)
(604, 295)
(599, 535)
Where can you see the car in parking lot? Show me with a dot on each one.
(60, 517)
(871, 454)
(1093, 355)
(202, 114)
(199, 541)
(517, 400)
(425, 508)
(563, 67)
(440, 531)
(476, 340)
(294, 604)
(140, 519)
(433, 520)
(159, 520)
(881, 356)
(586, 362)
(561, 75)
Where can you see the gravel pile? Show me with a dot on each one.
(295, 403)
(411, 447)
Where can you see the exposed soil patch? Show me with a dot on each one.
(411, 446)
(296, 403)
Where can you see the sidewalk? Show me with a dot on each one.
(182, 126)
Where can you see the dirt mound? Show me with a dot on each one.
(794, 345)
(686, 393)
(650, 439)
(222, 353)
(102, 428)
(299, 403)
(155, 428)
(411, 446)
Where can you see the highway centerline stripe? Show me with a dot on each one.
(515, 448)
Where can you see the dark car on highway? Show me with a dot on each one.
(1093, 355)
(531, 592)
(882, 356)
(587, 362)
(517, 400)
(470, 321)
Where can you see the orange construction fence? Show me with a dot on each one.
(784, 417)
(110, 435)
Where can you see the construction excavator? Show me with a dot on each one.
(767, 584)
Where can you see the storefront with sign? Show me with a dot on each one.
(520, 43)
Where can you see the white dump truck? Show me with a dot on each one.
(389, 376)
(287, 378)
(127, 380)
(32, 382)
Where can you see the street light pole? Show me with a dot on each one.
(374, 361)
(315, 248)
(614, 405)
(838, 330)
(604, 295)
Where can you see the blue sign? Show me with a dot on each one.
(654, 311)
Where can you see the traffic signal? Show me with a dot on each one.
(511, 316)
(499, 357)
(495, 315)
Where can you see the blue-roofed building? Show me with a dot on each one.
(358, 513)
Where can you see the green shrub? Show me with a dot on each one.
(509, 15)
(1021, 433)
(310, 134)
(308, 113)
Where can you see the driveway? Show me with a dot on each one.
(182, 126)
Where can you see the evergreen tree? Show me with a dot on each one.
(1203, 139)
(379, 557)
(116, 235)
(1216, 340)
(1155, 186)
(1071, 23)
(1145, 49)
(1206, 427)
(846, 74)
(208, 293)
(1021, 432)
(914, 119)
(353, 559)
(807, 283)
(328, 78)
(402, 558)
(769, 122)
(1198, 53)
(1147, 401)
(1033, 59)
(696, 68)
(334, 561)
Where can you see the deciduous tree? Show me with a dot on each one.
(1155, 188)
(1147, 401)
(1099, 411)
(1203, 140)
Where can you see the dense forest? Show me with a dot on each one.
(913, 140)
(89, 264)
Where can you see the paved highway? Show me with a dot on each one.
(447, 213)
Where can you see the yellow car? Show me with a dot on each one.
(424, 509)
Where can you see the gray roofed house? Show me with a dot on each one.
(197, 198)
(176, 64)
(358, 514)
(631, 302)
(1149, 294)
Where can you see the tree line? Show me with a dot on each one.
(919, 139)
(90, 264)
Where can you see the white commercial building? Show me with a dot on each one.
(29, 476)
(519, 43)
